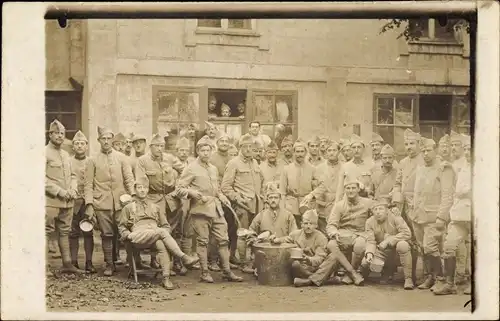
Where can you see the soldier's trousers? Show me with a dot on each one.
(458, 232)
(58, 219)
(402, 249)
(428, 238)
(317, 275)
(205, 227)
(245, 218)
(162, 254)
(351, 244)
(74, 235)
(108, 224)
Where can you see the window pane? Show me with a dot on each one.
(445, 29)
(461, 105)
(435, 108)
(464, 130)
(282, 131)
(404, 112)
(234, 131)
(399, 142)
(387, 133)
(173, 132)
(240, 23)
(264, 108)
(268, 130)
(189, 106)
(168, 105)
(69, 121)
(51, 104)
(385, 110)
(212, 23)
(284, 109)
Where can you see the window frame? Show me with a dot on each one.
(224, 28)
(431, 34)
(61, 96)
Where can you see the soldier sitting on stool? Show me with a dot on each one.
(388, 234)
(143, 225)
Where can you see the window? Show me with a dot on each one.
(462, 112)
(276, 111)
(441, 29)
(66, 107)
(434, 115)
(227, 110)
(225, 24)
(174, 109)
(394, 114)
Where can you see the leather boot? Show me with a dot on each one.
(89, 267)
(429, 280)
(66, 256)
(74, 246)
(468, 289)
(202, 255)
(107, 249)
(167, 284)
(206, 277)
(88, 247)
(437, 268)
(189, 261)
(116, 251)
(449, 270)
(213, 266)
(227, 274)
(406, 263)
(298, 282)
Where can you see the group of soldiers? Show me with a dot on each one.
(203, 206)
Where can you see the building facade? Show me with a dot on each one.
(332, 77)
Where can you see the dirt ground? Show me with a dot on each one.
(96, 293)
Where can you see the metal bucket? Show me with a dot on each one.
(273, 264)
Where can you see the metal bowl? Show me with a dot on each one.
(86, 225)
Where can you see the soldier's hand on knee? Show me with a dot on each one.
(382, 245)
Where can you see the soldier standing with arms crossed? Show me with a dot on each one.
(60, 192)
(107, 177)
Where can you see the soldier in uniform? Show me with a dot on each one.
(242, 184)
(324, 142)
(107, 177)
(346, 150)
(433, 198)
(402, 194)
(444, 148)
(60, 193)
(386, 235)
(143, 225)
(272, 167)
(297, 180)
(346, 230)
(200, 182)
(162, 170)
(312, 269)
(460, 225)
(139, 144)
(127, 150)
(254, 131)
(232, 151)
(182, 150)
(287, 150)
(211, 131)
(384, 177)
(327, 175)
(376, 145)
(119, 142)
(357, 168)
(80, 147)
(457, 151)
(314, 157)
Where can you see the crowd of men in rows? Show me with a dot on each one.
(343, 209)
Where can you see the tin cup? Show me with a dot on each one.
(86, 225)
(377, 265)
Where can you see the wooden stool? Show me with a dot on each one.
(132, 251)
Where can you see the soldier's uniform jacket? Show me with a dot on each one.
(458, 164)
(361, 172)
(434, 189)
(377, 163)
(349, 216)
(383, 183)
(78, 168)
(296, 182)
(327, 176)
(243, 178)
(315, 162)
(204, 179)
(405, 179)
(272, 172)
(313, 246)
(58, 176)
(133, 161)
(107, 177)
(281, 223)
(141, 215)
(394, 229)
(220, 161)
(462, 206)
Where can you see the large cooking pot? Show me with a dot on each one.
(272, 262)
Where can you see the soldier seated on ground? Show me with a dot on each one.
(143, 226)
(387, 235)
(310, 269)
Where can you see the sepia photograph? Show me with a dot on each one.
(218, 163)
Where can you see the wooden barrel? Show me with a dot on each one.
(273, 264)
